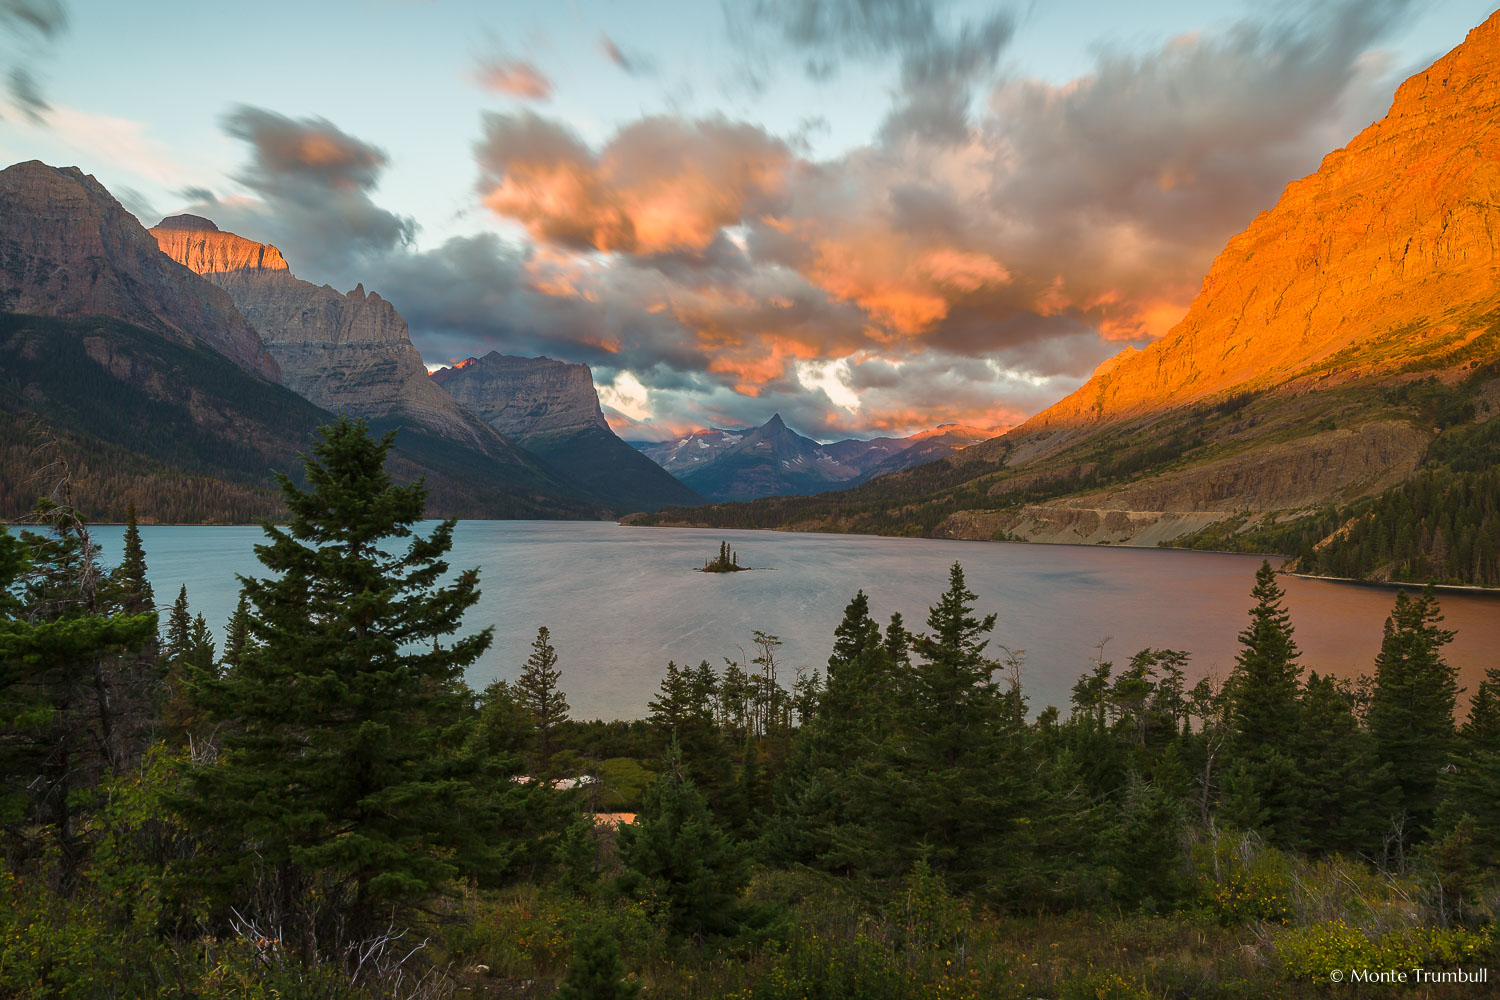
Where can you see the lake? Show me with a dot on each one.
(622, 601)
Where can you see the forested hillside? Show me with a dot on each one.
(187, 436)
(323, 809)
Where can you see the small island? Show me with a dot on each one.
(727, 561)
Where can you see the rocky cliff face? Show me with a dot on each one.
(197, 244)
(68, 248)
(348, 353)
(523, 397)
(552, 409)
(1390, 250)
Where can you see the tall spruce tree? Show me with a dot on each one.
(339, 801)
(1263, 693)
(538, 687)
(1411, 708)
(136, 596)
(179, 639)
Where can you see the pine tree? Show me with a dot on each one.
(596, 972)
(538, 690)
(237, 637)
(676, 854)
(130, 574)
(339, 800)
(1263, 711)
(67, 708)
(1411, 710)
(953, 776)
(179, 642)
(1264, 684)
(1335, 759)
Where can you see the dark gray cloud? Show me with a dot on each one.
(312, 184)
(26, 28)
(942, 59)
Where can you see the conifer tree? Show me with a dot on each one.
(953, 776)
(1334, 756)
(596, 972)
(1411, 709)
(1264, 683)
(676, 854)
(179, 641)
(1472, 788)
(538, 689)
(339, 801)
(1263, 711)
(65, 706)
(237, 634)
(130, 575)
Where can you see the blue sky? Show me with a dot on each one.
(870, 215)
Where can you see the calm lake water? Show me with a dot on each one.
(622, 601)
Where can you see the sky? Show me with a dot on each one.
(870, 216)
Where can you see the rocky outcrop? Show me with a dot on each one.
(1390, 251)
(552, 409)
(524, 397)
(68, 248)
(348, 353)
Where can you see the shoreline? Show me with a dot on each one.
(1457, 588)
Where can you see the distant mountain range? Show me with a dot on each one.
(774, 460)
(1333, 391)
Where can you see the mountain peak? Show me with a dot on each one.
(196, 223)
(775, 422)
(204, 248)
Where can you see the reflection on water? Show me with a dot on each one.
(622, 601)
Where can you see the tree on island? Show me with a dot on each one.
(727, 561)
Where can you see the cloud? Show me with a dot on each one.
(514, 77)
(311, 184)
(28, 27)
(941, 59)
(633, 63)
(661, 185)
(713, 273)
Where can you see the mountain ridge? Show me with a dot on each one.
(1344, 344)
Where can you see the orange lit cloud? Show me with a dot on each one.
(661, 185)
(514, 77)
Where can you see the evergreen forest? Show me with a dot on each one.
(321, 807)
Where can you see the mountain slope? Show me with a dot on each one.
(552, 409)
(144, 379)
(1337, 343)
(189, 436)
(348, 353)
(67, 248)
